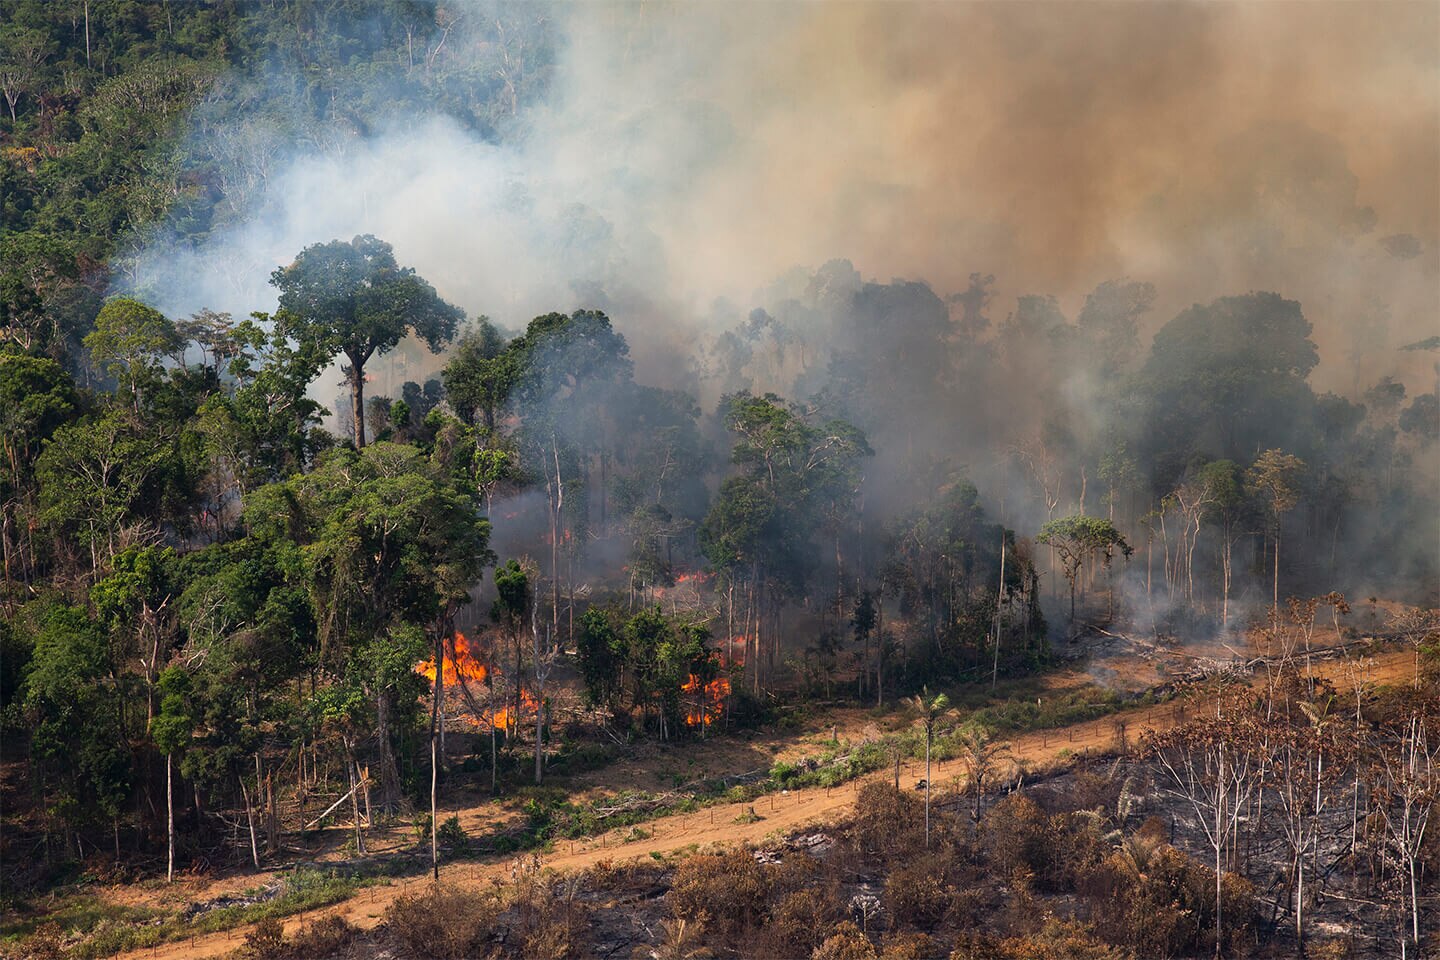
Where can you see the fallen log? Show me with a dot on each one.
(329, 809)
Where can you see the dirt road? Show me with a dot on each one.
(780, 813)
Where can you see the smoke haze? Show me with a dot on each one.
(689, 153)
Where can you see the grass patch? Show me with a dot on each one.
(107, 929)
(80, 914)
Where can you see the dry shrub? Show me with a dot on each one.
(1018, 836)
(632, 876)
(799, 921)
(888, 823)
(683, 940)
(845, 942)
(912, 946)
(730, 887)
(1078, 845)
(970, 904)
(46, 943)
(796, 872)
(916, 893)
(443, 924)
(975, 945)
(325, 937)
(1158, 902)
(267, 940)
(1338, 948)
(1057, 940)
(550, 922)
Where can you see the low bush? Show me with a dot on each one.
(1018, 836)
(845, 942)
(322, 938)
(887, 823)
(916, 894)
(730, 887)
(798, 922)
(442, 924)
(912, 946)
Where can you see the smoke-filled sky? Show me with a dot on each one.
(687, 153)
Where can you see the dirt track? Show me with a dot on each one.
(780, 813)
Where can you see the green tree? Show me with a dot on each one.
(37, 397)
(42, 299)
(390, 545)
(266, 428)
(1224, 379)
(74, 711)
(513, 598)
(795, 479)
(352, 298)
(130, 341)
(480, 375)
(929, 713)
(137, 602)
(1225, 494)
(601, 657)
(171, 733)
(1078, 540)
(1274, 477)
(102, 483)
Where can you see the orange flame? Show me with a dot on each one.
(505, 717)
(708, 702)
(459, 661)
(697, 577)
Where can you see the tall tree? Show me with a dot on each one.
(171, 732)
(480, 375)
(1079, 540)
(1227, 505)
(1275, 478)
(390, 544)
(929, 712)
(37, 397)
(352, 298)
(130, 341)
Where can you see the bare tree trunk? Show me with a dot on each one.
(272, 818)
(357, 401)
(389, 772)
(927, 788)
(354, 800)
(1219, 847)
(250, 822)
(999, 599)
(1276, 583)
(170, 816)
(434, 808)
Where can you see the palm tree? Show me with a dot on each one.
(682, 941)
(980, 754)
(930, 711)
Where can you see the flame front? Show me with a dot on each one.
(462, 662)
(505, 718)
(706, 702)
(459, 661)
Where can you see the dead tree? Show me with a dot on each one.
(1211, 764)
(1408, 787)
